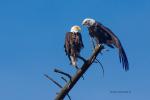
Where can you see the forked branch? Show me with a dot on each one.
(65, 90)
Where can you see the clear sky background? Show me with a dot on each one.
(31, 44)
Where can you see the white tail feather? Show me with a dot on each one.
(73, 61)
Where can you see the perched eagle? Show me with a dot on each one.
(73, 44)
(103, 35)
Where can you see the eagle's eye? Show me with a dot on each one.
(86, 22)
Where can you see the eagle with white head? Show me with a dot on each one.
(103, 35)
(73, 44)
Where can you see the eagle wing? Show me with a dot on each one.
(67, 45)
(117, 43)
(80, 41)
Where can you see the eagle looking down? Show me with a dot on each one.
(104, 35)
(73, 44)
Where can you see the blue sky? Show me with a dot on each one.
(31, 44)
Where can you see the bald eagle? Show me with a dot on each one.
(103, 35)
(73, 45)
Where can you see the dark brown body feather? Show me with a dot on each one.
(73, 45)
(104, 35)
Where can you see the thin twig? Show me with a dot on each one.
(53, 80)
(61, 72)
(64, 79)
(83, 59)
(100, 65)
(69, 96)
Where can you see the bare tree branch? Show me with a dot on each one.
(69, 96)
(61, 72)
(53, 80)
(64, 79)
(56, 84)
(65, 90)
(83, 59)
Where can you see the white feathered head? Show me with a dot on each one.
(76, 29)
(88, 22)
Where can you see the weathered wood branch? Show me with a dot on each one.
(56, 84)
(65, 90)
